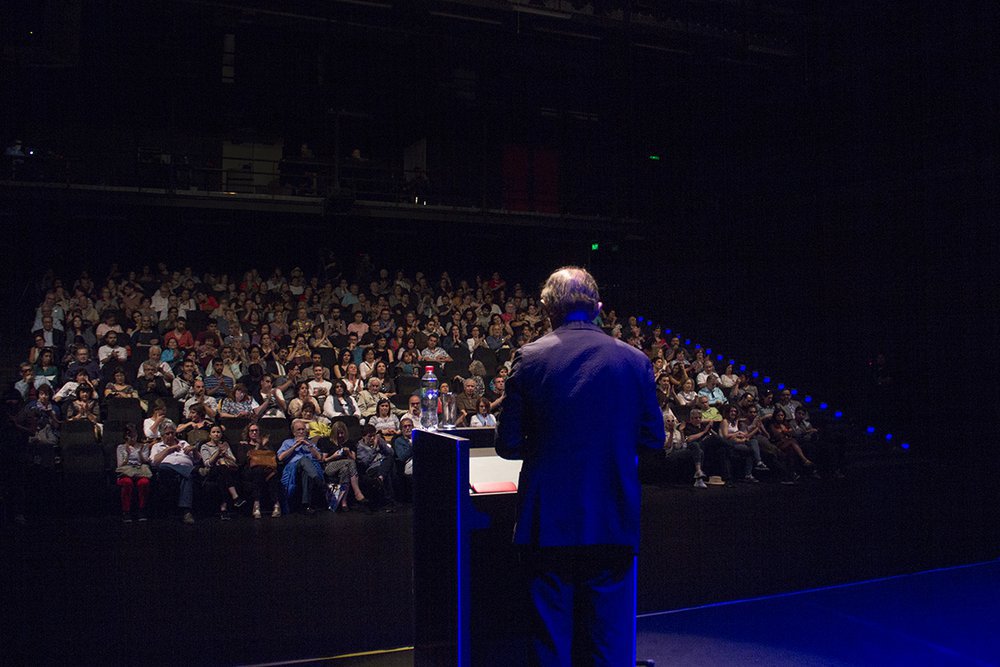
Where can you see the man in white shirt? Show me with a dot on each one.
(319, 387)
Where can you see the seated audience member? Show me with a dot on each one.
(434, 353)
(302, 465)
(262, 469)
(45, 368)
(676, 447)
(340, 468)
(340, 402)
(68, 390)
(119, 387)
(151, 425)
(352, 380)
(702, 431)
(711, 391)
(781, 436)
(221, 470)
(270, 399)
(217, 383)
(732, 431)
(174, 458)
(708, 370)
(664, 391)
(369, 398)
(112, 352)
(319, 386)
(787, 404)
(183, 384)
(729, 380)
(402, 445)
(109, 322)
(154, 355)
(766, 406)
(180, 333)
(133, 471)
(687, 395)
(79, 332)
(376, 465)
(407, 365)
(466, 402)
(85, 408)
(150, 385)
(386, 423)
(199, 397)
(483, 418)
(301, 397)
(195, 429)
(27, 386)
(412, 410)
(81, 359)
(239, 403)
(828, 455)
(382, 373)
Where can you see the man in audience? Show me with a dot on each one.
(145, 337)
(712, 392)
(303, 465)
(200, 397)
(54, 338)
(369, 397)
(183, 384)
(218, 383)
(81, 359)
(185, 340)
(466, 403)
(434, 353)
(787, 404)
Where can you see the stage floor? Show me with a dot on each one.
(88, 590)
(939, 617)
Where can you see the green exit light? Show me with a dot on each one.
(594, 246)
(654, 157)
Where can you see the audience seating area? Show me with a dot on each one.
(111, 361)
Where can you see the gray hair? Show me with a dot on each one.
(165, 424)
(570, 290)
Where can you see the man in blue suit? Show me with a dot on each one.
(579, 405)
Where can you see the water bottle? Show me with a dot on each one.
(429, 400)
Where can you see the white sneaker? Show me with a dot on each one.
(700, 484)
(256, 512)
(276, 512)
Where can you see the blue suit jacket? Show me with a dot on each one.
(579, 404)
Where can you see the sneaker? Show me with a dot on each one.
(188, 518)
(256, 511)
(142, 516)
(750, 478)
(239, 502)
(276, 512)
(310, 510)
(700, 484)
(761, 466)
(224, 515)
(126, 517)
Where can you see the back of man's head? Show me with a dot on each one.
(570, 293)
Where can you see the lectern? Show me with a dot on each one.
(444, 521)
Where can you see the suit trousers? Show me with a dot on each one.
(583, 606)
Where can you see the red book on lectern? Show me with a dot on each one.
(495, 487)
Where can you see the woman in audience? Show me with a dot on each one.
(221, 470)
(151, 425)
(79, 332)
(299, 352)
(196, 428)
(407, 366)
(171, 354)
(781, 436)
(483, 418)
(352, 380)
(118, 387)
(678, 376)
(367, 366)
(340, 402)
(476, 338)
(262, 469)
(302, 396)
(132, 467)
(45, 368)
(340, 369)
(239, 403)
(382, 373)
(340, 468)
(320, 338)
(386, 423)
(687, 395)
(84, 408)
(729, 380)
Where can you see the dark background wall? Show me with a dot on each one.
(808, 210)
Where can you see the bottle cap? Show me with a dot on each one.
(428, 369)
